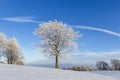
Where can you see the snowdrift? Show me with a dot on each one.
(15, 72)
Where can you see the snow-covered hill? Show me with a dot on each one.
(14, 72)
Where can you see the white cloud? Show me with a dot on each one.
(99, 55)
(21, 19)
(98, 29)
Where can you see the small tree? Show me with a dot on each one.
(115, 64)
(20, 62)
(102, 65)
(56, 39)
(12, 51)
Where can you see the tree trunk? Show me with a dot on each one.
(8, 61)
(57, 62)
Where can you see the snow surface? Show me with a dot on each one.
(15, 72)
(115, 74)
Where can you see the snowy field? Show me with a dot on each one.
(14, 72)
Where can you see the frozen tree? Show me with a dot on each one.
(102, 65)
(13, 51)
(115, 64)
(2, 43)
(56, 39)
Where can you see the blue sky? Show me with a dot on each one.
(21, 18)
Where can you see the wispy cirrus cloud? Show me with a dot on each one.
(21, 19)
(98, 29)
(33, 20)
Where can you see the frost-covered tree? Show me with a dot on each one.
(13, 51)
(2, 43)
(56, 39)
(115, 64)
(102, 65)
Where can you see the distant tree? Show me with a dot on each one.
(3, 41)
(20, 62)
(115, 64)
(13, 51)
(81, 68)
(102, 65)
(2, 62)
(56, 39)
